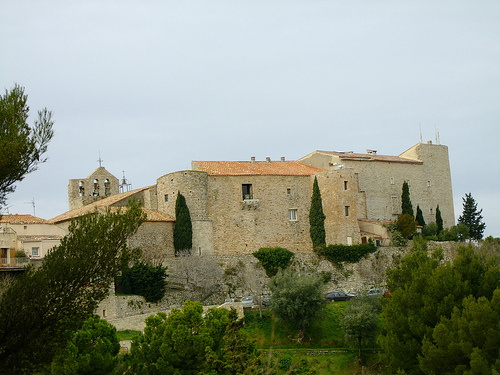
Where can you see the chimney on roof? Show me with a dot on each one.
(282, 159)
(371, 152)
(252, 159)
(268, 159)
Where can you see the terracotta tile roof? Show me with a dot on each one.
(38, 237)
(257, 168)
(21, 219)
(369, 157)
(105, 203)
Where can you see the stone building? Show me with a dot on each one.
(32, 235)
(238, 207)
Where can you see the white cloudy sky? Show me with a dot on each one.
(152, 85)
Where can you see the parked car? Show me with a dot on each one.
(229, 300)
(353, 293)
(375, 292)
(337, 296)
(266, 300)
(248, 302)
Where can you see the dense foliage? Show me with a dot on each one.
(406, 206)
(92, 350)
(472, 218)
(317, 217)
(420, 217)
(439, 220)
(145, 280)
(297, 299)
(273, 259)
(183, 228)
(360, 320)
(346, 253)
(46, 303)
(21, 146)
(406, 225)
(190, 342)
(426, 292)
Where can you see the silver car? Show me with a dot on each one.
(247, 302)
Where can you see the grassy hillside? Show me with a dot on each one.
(322, 351)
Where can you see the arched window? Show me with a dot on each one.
(107, 190)
(81, 189)
(96, 188)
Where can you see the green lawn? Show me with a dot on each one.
(325, 332)
(322, 351)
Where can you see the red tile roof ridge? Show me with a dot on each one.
(100, 204)
(255, 168)
(21, 219)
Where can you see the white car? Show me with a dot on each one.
(247, 302)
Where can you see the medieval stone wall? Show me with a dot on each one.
(100, 184)
(156, 239)
(242, 226)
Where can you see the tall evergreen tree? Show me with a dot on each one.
(406, 206)
(472, 218)
(439, 220)
(183, 228)
(21, 146)
(420, 217)
(317, 217)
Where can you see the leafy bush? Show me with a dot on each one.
(346, 253)
(406, 225)
(145, 280)
(273, 258)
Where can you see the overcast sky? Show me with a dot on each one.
(153, 85)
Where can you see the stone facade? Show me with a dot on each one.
(239, 207)
(100, 184)
(424, 166)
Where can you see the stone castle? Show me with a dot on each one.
(238, 207)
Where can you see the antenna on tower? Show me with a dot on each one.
(420, 132)
(437, 134)
(32, 202)
(124, 184)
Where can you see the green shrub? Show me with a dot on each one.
(273, 259)
(346, 253)
(145, 280)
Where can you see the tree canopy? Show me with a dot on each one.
(273, 259)
(317, 217)
(21, 146)
(190, 342)
(425, 291)
(183, 228)
(91, 351)
(44, 304)
(406, 206)
(297, 299)
(420, 217)
(472, 218)
(439, 220)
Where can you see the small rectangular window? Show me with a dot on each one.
(345, 185)
(392, 180)
(247, 191)
(349, 241)
(35, 252)
(166, 197)
(288, 191)
(346, 208)
(292, 214)
(428, 184)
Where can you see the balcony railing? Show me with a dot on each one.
(15, 262)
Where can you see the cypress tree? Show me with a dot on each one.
(183, 228)
(420, 217)
(317, 217)
(406, 206)
(439, 220)
(472, 218)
